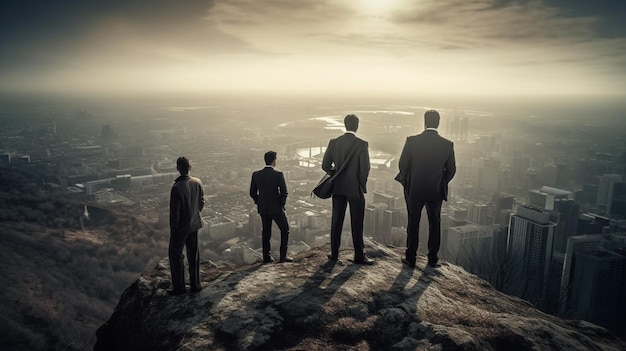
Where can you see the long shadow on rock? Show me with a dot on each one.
(396, 308)
(308, 313)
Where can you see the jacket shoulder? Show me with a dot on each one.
(446, 140)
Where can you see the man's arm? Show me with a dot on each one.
(282, 190)
(364, 165)
(327, 161)
(175, 204)
(404, 163)
(450, 165)
(254, 190)
(201, 197)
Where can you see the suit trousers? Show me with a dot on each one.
(177, 264)
(433, 210)
(283, 224)
(357, 215)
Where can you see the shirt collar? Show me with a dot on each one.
(435, 129)
(350, 132)
(269, 166)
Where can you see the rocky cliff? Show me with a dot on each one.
(314, 304)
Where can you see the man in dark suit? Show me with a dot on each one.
(349, 187)
(426, 167)
(186, 202)
(269, 191)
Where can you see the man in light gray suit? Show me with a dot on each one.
(426, 165)
(349, 187)
(186, 202)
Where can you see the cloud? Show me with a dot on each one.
(311, 27)
(479, 45)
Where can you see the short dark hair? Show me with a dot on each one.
(431, 119)
(351, 122)
(183, 165)
(269, 157)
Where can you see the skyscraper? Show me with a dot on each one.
(605, 192)
(468, 242)
(489, 175)
(597, 292)
(578, 244)
(546, 196)
(530, 244)
(618, 201)
(568, 223)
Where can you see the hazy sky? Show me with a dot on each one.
(369, 46)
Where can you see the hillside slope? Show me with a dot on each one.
(315, 304)
(61, 272)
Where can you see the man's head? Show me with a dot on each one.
(431, 119)
(182, 165)
(270, 158)
(351, 122)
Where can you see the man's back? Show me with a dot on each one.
(353, 180)
(427, 165)
(269, 191)
(186, 202)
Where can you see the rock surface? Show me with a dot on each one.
(315, 304)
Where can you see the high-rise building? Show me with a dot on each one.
(553, 288)
(530, 244)
(373, 220)
(384, 198)
(254, 224)
(478, 213)
(576, 245)
(468, 242)
(605, 192)
(588, 194)
(456, 216)
(618, 201)
(519, 165)
(457, 128)
(386, 225)
(503, 206)
(546, 196)
(489, 175)
(591, 223)
(568, 222)
(503, 201)
(597, 291)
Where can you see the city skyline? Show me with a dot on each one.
(350, 47)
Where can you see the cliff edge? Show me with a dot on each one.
(315, 304)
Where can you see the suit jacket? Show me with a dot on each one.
(186, 202)
(269, 191)
(352, 181)
(427, 165)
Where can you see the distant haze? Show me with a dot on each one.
(351, 47)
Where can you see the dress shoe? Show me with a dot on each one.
(408, 263)
(434, 264)
(365, 260)
(195, 290)
(333, 258)
(268, 260)
(285, 259)
(176, 292)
